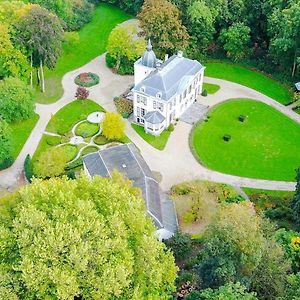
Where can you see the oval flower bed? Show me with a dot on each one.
(87, 79)
(87, 129)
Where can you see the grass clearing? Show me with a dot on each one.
(210, 88)
(88, 150)
(64, 120)
(87, 129)
(265, 146)
(158, 142)
(20, 133)
(93, 41)
(250, 78)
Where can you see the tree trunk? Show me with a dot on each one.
(42, 77)
(31, 75)
(38, 76)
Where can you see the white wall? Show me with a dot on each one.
(140, 72)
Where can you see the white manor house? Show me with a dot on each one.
(164, 90)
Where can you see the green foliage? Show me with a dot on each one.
(131, 6)
(6, 163)
(160, 21)
(296, 201)
(74, 164)
(101, 140)
(89, 149)
(204, 93)
(50, 163)
(5, 145)
(113, 126)
(171, 128)
(12, 61)
(16, 100)
(235, 40)
(124, 48)
(180, 244)
(211, 88)
(28, 168)
(123, 106)
(87, 129)
(71, 38)
(292, 289)
(232, 291)
(90, 235)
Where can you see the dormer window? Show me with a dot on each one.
(158, 95)
(142, 89)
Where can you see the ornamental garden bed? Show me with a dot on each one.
(87, 79)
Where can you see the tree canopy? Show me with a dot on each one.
(84, 238)
(113, 126)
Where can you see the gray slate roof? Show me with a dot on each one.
(149, 57)
(154, 117)
(127, 160)
(173, 77)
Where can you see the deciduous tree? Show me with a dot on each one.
(82, 93)
(160, 21)
(41, 33)
(16, 100)
(50, 163)
(85, 239)
(113, 126)
(235, 40)
(5, 141)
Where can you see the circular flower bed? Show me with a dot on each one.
(87, 79)
(87, 129)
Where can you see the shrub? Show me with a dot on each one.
(71, 175)
(278, 213)
(6, 163)
(87, 129)
(71, 38)
(204, 93)
(110, 61)
(171, 127)
(81, 93)
(236, 199)
(28, 168)
(227, 137)
(242, 118)
(180, 244)
(87, 79)
(53, 140)
(74, 164)
(5, 142)
(101, 140)
(124, 107)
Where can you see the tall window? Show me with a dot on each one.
(138, 98)
(154, 104)
(143, 112)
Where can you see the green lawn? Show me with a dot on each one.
(93, 40)
(87, 129)
(211, 88)
(266, 145)
(251, 191)
(63, 121)
(20, 134)
(250, 78)
(158, 142)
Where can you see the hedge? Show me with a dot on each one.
(28, 168)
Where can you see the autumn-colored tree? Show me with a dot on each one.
(160, 21)
(50, 163)
(81, 93)
(81, 239)
(113, 126)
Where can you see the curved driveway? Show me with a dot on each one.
(176, 163)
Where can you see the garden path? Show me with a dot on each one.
(176, 163)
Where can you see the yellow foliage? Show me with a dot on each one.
(113, 126)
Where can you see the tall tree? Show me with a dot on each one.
(16, 100)
(284, 28)
(236, 40)
(81, 239)
(41, 33)
(113, 126)
(12, 61)
(296, 202)
(160, 21)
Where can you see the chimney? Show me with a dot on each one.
(180, 54)
(166, 57)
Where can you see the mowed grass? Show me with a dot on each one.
(93, 41)
(210, 88)
(158, 142)
(265, 146)
(250, 78)
(64, 120)
(20, 132)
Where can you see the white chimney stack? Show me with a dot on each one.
(180, 54)
(166, 57)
